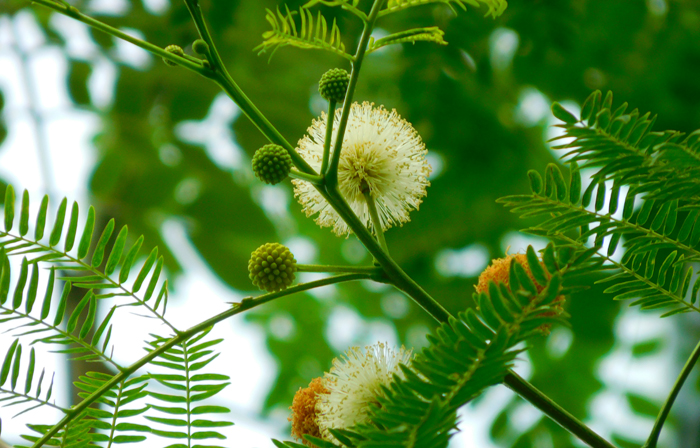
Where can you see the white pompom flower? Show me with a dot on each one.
(354, 383)
(382, 153)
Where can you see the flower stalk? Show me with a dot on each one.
(74, 13)
(331, 174)
(314, 179)
(550, 408)
(666, 409)
(376, 223)
(372, 270)
(329, 137)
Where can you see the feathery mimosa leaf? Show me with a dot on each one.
(33, 286)
(129, 260)
(21, 283)
(145, 269)
(310, 35)
(429, 34)
(495, 7)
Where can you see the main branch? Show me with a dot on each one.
(246, 304)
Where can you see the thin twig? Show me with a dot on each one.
(666, 409)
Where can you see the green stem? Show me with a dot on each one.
(313, 178)
(554, 411)
(232, 89)
(666, 409)
(330, 118)
(226, 82)
(331, 174)
(72, 12)
(393, 271)
(217, 73)
(349, 269)
(245, 305)
(376, 223)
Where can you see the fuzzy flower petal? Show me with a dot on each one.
(381, 152)
(353, 384)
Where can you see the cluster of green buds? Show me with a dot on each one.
(334, 85)
(198, 46)
(272, 267)
(272, 164)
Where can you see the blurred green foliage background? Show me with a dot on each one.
(475, 103)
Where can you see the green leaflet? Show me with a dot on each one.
(494, 7)
(661, 168)
(428, 34)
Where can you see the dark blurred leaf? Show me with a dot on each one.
(77, 82)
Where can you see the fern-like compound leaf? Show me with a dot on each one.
(78, 433)
(348, 5)
(621, 146)
(180, 393)
(311, 34)
(119, 405)
(495, 7)
(659, 240)
(429, 34)
(30, 397)
(36, 316)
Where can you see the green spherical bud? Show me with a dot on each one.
(271, 267)
(174, 49)
(334, 84)
(200, 47)
(271, 164)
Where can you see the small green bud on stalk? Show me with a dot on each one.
(334, 84)
(200, 47)
(174, 49)
(271, 267)
(272, 164)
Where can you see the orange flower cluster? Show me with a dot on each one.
(304, 411)
(499, 272)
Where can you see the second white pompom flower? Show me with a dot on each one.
(382, 153)
(353, 384)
